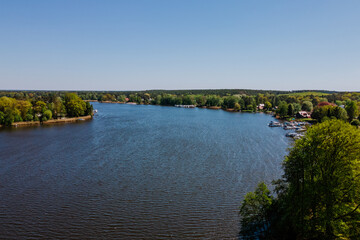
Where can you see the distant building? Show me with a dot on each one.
(303, 114)
(261, 106)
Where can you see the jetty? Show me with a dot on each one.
(185, 106)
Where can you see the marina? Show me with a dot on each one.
(296, 129)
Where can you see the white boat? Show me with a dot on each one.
(301, 130)
(185, 106)
(275, 124)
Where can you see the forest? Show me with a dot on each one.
(41, 107)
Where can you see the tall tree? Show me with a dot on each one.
(352, 110)
(318, 196)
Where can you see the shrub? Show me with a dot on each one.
(355, 122)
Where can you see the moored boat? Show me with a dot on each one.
(275, 124)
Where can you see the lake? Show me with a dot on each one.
(136, 172)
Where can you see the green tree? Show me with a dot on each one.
(307, 106)
(200, 100)
(40, 107)
(229, 102)
(237, 107)
(213, 101)
(88, 109)
(2, 118)
(188, 100)
(355, 122)
(268, 105)
(255, 211)
(323, 173)
(297, 107)
(352, 110)
(24, 107)
(291, 110)
(75, 108)
(47, 115)
(74, 105)
(282, 110)
(58, 107)
(318, 196)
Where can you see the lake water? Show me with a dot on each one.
(136, 172)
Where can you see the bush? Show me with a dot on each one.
(29, 117)
(17, 118)
(355, 122)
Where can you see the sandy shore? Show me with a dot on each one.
(49, 122)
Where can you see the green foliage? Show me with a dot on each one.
(230, 101)
(282, 110)
(28, 117)
(213, 101)
(9, 117)
(318, 197)
(323, 171)
(88, 109)
(307, 106)
(47, 114)
(355, 122)
(40, 107)
(2, 118)
(108, 97)
(352, 110)
(291, 110)
(268, 105)
(297, 107)
(74, 105)
(200, 100)
(237, 107)
(255, 211)
(324, 113)
(188, 100)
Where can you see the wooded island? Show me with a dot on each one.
(41, 108)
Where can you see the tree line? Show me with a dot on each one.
(42, 109)
(322, 104)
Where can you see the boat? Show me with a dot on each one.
(185, 106)
(300, 130)
(291, 134)
(275, 124)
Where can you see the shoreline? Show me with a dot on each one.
(49, 122)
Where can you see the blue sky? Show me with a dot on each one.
(179, 44)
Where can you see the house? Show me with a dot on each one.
(261, 106)
(303, 114)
